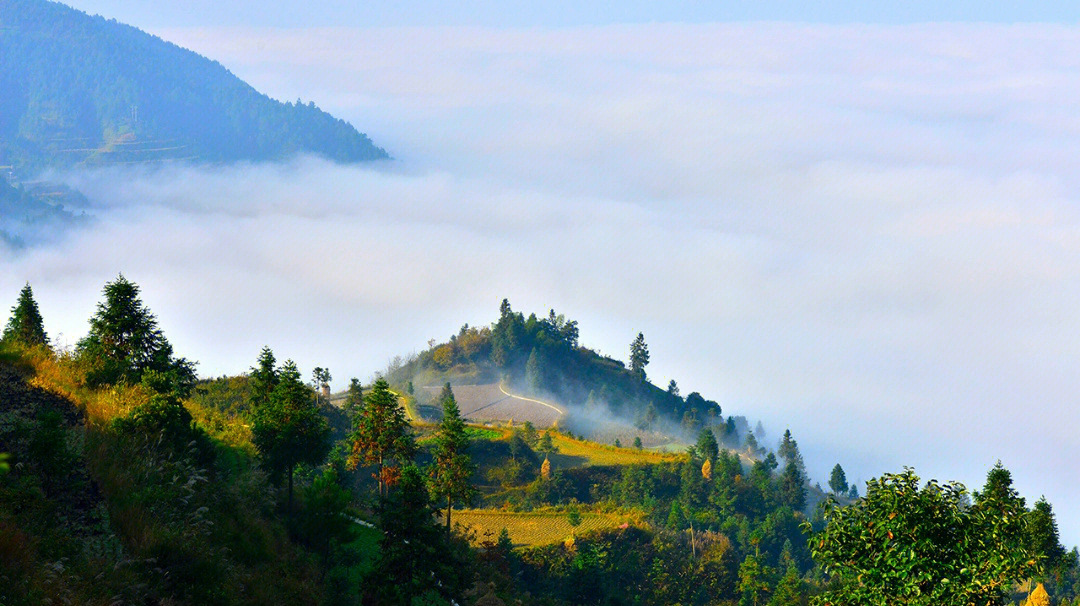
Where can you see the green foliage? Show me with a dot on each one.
(25, 326)
(81, 89)
(906, 544)
(838, 481)
(289, 430)
(228, 395)
(573, 516)
(707, 446)
(125, 345)
(381, 435)
(415, 557)
(639, 356)
(264, 378)
(165, 419)
(451, 467)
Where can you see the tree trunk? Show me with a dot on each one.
(449, 505)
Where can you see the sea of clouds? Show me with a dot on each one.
(868, 234)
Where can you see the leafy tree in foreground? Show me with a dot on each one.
(125, 343)
(382, 435)
(451, 469)
(902, 544)
(25, 326)
(289, 430)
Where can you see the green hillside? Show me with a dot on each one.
(541, 357)
(82, 90)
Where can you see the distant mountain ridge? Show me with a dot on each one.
(81, 90)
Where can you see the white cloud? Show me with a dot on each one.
(867, 233)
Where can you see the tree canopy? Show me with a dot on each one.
(381, 435)
(903, 543)
(289, 430)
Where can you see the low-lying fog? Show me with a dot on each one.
(868, 234)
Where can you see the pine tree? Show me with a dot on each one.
(793, 486)
(289, 430)
(452, 468)
(413, 556)
(381, 435)
(639, 357)
(125, 344)
(534, 371)
(25, 326)
(838, 480)
(707, 446)
(354, 399)
(264, 378)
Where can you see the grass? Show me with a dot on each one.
(573, 453)
(535, 528)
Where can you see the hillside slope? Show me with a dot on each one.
(82, 90)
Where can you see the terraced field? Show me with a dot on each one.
(575, 453)
(493, 403)
(535, 528)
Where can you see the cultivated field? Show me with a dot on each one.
(492, 403)
(534, 528)
(575, 453)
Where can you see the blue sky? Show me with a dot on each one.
(560, 13)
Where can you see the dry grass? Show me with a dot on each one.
(535, 528)
(590, 453)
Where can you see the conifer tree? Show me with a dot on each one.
(639, 357)
(264, 378)
(125, 344)
(354, 399)
(452, 468)
(289, 430)
(707, 446)
(838, 480)
(381, 435)
(25, 326)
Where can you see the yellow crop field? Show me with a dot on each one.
(535, 527)
(575, 453)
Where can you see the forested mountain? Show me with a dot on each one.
(82, 90)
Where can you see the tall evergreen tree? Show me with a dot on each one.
(264, 378)
(413, 557)
(838, 480)
(354, 399)
(125, 343)
(707, 446)
(381, 435)
(793, 486)
(639, 356)
(452, 468)
(25, 326)
(534, 371)
(289, 430)
(1043, 533)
